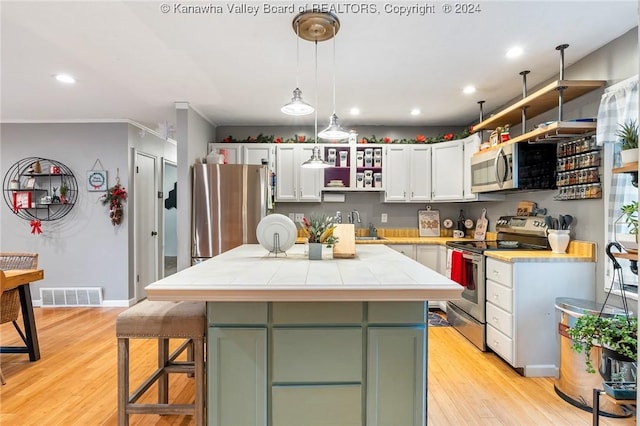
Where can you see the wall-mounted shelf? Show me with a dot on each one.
(38, 191)
(540, 101)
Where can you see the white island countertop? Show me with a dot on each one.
(249, 274)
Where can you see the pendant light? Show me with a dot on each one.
(334, 131)
(316, 26)
(316, 161)
(297, 106)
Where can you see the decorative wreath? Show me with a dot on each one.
(114, 197)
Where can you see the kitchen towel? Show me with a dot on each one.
(458, 270)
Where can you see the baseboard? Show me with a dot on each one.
(541, 371)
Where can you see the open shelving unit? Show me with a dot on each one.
(39, 190)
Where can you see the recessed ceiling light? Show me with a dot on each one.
(469, 90)
(514, 52)
(65, 78)
(355, 111)
(415, 111)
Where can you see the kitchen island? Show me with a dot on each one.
(292, 341)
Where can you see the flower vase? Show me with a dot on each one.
(558, 240)
(315, 251)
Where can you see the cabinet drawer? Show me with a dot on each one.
(501, 344)
(317, 313)
(500, 319)
(317, 355)
(397, 312)
(317, 405)
(500, 296)
(500, 272)
(236, 313)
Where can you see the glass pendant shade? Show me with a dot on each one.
(315, 162)
(334, 131)
(297, 106)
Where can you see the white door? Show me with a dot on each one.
(256, 154)
(446, 166)
(420, 180)
(146, 222)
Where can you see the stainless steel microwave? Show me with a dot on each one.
(520, 166)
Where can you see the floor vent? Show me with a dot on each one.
(74, 296)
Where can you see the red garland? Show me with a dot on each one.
(36, 226)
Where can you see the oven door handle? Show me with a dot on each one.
(473, 257)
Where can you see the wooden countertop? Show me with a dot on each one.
(249, 274)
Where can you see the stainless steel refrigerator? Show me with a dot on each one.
(228, 202)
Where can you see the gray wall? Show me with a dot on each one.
(83, 249)
(193, 133)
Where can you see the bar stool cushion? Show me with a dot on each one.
(155, 319)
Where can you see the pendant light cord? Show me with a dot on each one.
(315, 134)
(334, 68)
(297, 55)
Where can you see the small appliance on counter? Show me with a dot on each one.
(468, 314)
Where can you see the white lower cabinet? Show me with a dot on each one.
(428, 256)
(408, 250)
(521, 319)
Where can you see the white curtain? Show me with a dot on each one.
(619, 104)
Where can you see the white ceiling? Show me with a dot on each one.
(133, 61)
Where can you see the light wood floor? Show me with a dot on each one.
(75, 381)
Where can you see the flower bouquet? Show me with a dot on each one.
(319, 229)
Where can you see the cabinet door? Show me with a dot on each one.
(396, 376)
(237, 376)
(395, 174)
(232, 152)
(408, 250)
(420, 179)
(429, 256)
(286, 173)
(446, 167)
(310, 180)
(471, 145)
(256, 153)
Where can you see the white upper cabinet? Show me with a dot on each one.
(407, 173)
(294, 183)
(446, 171)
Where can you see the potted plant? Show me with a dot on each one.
(628, 134)
(617, 335)
(319, 231)
(630, 216)
(64, 189)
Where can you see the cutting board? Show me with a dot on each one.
(525, 208)
(346, 245)
(481, 227)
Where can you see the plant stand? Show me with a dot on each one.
(628, 405)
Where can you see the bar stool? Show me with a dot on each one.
(162, 321)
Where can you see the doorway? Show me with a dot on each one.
(170, 218)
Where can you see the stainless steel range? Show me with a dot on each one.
(466, 265)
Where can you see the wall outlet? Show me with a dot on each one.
(292, 216)
(383, 218)
(299, 217)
